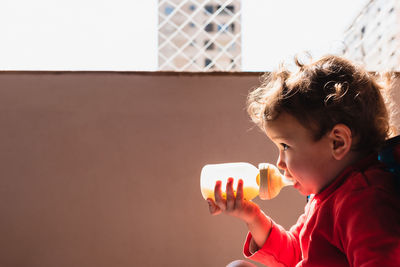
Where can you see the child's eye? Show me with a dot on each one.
(284, 146)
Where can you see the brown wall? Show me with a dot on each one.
(102, 169)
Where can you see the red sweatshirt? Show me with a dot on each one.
(355, 221)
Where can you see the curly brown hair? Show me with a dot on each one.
(324, 93)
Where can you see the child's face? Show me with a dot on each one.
(305, 161)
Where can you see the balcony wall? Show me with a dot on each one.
(102, 168)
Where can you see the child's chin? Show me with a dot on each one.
(303, 191)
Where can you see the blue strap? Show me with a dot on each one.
(387, 155)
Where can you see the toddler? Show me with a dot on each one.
(328, 119)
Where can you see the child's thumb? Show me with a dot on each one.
(214, 209)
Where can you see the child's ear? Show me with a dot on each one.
(341, 141)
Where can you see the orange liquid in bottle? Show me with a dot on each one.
(248, 193)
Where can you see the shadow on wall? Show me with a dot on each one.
(102, 169)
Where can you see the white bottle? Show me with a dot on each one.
(266, 181)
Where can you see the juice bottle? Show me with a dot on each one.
(266, 181)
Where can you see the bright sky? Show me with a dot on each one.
(277, 30)
(122, 34)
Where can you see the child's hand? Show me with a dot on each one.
(234, 206)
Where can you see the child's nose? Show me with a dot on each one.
(281, 163)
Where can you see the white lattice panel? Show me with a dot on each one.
(198, 35)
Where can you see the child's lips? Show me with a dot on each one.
(296, 184)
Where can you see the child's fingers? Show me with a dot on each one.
(219, 200)
(214, 209)
(230, 195)
(239, 195)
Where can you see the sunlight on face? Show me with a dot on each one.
(305, 161)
